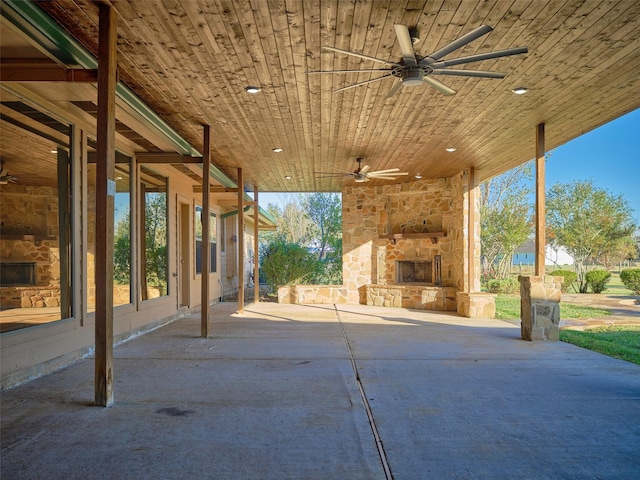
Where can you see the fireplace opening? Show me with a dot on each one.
(420, 271)
(415, 272)
(14, 274)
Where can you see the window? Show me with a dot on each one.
(36, 217)
(154, 262)
(213, 231)
(121, 230)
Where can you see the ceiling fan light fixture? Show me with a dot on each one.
(412, 77)
(252, 89)
(520, 90)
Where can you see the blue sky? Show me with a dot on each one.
(609, 156)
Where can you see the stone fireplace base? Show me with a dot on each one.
(423, 297)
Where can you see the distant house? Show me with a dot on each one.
(525, 255)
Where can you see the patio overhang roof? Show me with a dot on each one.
(185, 64)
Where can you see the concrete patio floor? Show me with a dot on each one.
(274, 394)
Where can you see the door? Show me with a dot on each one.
(184, 256)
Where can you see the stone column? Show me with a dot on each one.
(540, 307)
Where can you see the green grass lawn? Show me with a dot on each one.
(619, 341)
(508, 307)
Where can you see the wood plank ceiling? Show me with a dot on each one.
(191, 60)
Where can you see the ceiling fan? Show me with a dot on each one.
(5, 178)
(413, 70)
(362, 174)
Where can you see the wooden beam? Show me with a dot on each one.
(540, 201)
(214, 189)
(256, 268)
(206, 261)
(163, 158)
(52, 73)
(473, 282)
(240, 241)
(105, 193)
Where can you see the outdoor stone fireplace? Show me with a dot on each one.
(29, 251)
(404, 244)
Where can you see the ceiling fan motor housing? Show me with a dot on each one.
(412, 76)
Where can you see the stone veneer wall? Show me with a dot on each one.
(312, 294)
(421, 206)
(29, 230)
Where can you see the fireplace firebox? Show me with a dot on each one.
(420, 271)
(17, 273)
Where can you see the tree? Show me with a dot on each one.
(156, 240)
(122, 252)
(313, 222)
(505, 216)
(286, 263)
(293, 224)
(325, 210)
(617, 252)
(587, 221)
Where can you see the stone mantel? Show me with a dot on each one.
(434, 236)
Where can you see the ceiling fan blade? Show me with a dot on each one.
(385, 171)
(364, 169)
(387, 175)
(480, 56)
(459, 43)
(394, 89)
(406, 45)
(327, 174)
(351, 71)
(359, 55)
(470, 73)
(362, 83)
(441, 87)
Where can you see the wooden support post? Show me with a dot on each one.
(256, 267)
(473, 282)
(540, 202)
(64, 230)
(105, 193)
(205, 250)
(240, 241)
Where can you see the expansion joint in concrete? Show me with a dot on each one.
(365, 401)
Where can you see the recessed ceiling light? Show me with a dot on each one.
(287, 177)
(252, 89)
(520, 90)
(277, 150)
(451, 149)
(418, 176)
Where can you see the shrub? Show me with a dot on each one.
(507, 285)
(570, 279)
(597, 280)
(631, 279)
(287, 263)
